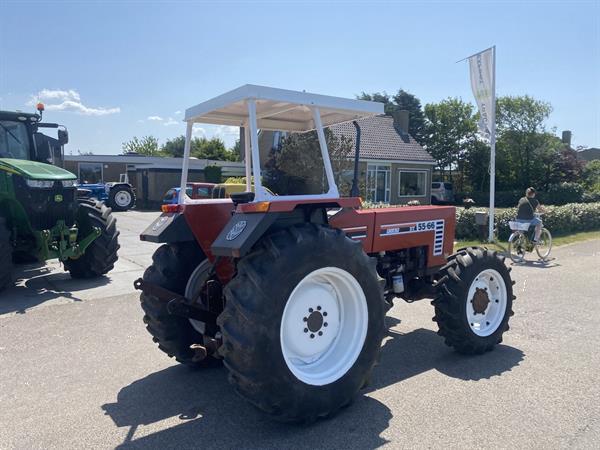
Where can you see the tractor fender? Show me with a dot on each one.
(241, 233)
(168, 228)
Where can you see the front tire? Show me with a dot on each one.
(544, 246)
(101, 255)
(6, 263)
(303, 323)
(475, 301)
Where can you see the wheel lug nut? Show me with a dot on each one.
(305, 319)
(325, 313)
(320, 333)
(318, 308)
(497, 301)
(325, 324)
(312, 335)
(487, 323)
(306, 330)
(310, 310)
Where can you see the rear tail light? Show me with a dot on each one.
(171, 208)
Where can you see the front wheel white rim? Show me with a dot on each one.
(486, 302)
(123, 199)
(324, 326)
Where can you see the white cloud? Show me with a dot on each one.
(177, 112)
(155, 118)
(69, 100)
(171, 121)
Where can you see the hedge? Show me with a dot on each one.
(555, 194)
(565, 219)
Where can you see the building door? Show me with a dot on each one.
(378, 183)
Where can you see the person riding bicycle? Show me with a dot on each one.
(526, 209)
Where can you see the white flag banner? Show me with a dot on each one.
(482, 81)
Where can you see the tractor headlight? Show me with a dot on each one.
(40, 184)
(69, 183)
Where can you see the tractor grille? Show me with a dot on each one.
(44, 207)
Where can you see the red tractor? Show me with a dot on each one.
(290, 292)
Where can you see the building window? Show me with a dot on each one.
(412, 183)
(378, 183)
(90, 173)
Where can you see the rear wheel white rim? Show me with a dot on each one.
(324, 326)
(192, 289)
(486, 302)
(122, 198)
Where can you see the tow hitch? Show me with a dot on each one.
(178, 305)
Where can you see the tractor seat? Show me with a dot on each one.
(242, 197)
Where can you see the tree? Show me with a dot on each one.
(214, 148)
(522, 139)
(174, 147)
(296, 167)
(200, 147)
(591, 176)
(416, 119)
(403, 100)
(449, 133)
(147, 145)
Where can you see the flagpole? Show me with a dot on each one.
(493, 151)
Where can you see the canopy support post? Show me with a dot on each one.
(258, 190)
(324, 152)
(186, 162)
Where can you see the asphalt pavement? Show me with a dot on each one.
(78, 370)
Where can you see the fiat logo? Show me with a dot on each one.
(236, 230)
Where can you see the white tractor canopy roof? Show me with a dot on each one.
(279, 109)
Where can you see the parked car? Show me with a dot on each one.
(193, 190)
(441, 193)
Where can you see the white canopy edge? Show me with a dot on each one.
(279, 109)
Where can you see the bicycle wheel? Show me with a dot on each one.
(544, 245)
(517, 243)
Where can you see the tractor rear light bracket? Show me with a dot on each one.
(179, 305)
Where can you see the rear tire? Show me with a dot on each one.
(517, 243)
(121, 198)
(100, 256)
(6, 263)
(172, 267)
(475, 301)
(264, 331)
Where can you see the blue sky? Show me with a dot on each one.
(114, 65)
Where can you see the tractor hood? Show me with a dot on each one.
(35, 170)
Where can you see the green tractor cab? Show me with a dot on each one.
(41, 217)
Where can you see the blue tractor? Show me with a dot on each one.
(120, 196)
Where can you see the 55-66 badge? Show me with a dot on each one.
(236, 230)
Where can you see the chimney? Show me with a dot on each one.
(566, 137)
(401, 121)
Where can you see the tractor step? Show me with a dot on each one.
(179, 305)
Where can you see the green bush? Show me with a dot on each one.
(564, 219)
(562, 193)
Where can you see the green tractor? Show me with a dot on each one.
(41, 216)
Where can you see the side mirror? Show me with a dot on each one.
(63, 136)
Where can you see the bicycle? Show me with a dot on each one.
(520, 242)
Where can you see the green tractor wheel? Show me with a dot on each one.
(5, 256)
(101, 255)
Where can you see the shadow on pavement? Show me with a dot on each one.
(36, 283)
(201, 409)
(538, 264)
